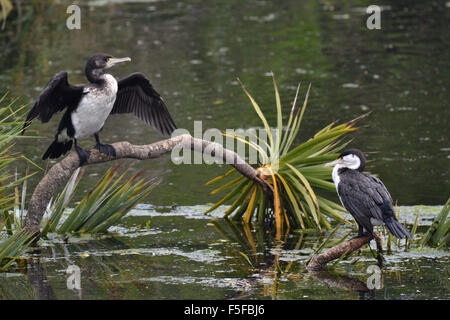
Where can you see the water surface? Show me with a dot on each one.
(178, 253)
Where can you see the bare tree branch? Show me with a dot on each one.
(62, 171)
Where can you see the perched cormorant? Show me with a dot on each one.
(87, 106)
(364, 196)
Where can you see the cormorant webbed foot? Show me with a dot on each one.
(360, 235)
(106, 149)
(83, 155)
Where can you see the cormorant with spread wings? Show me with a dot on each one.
(88, 106)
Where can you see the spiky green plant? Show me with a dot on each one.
(438, 234)
(111, 199)
(11, 201)
(12, 247)
(11, 122)
(294, 173)
(6, 8)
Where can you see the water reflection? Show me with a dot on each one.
(260, 253)
(36, 275)
(263, 264)
(189, 256)
(344, 282)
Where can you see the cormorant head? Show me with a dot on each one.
(352, 159)
(98, 63)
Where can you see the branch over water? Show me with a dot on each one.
(62, 171)
(346, 247)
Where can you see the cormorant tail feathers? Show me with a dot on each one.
(57, 149)
(397, 229)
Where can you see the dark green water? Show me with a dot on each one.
(182, 254)
(193, 53)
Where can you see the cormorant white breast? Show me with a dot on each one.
(364, 196)
(87, 106)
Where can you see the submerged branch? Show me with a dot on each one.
(346, 247)
(62, 171)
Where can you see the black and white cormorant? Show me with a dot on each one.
(364, 196)
(87, 106)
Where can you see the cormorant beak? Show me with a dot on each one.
(114, 61)
(333, 163)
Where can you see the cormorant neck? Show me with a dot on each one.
(339, 169)
(362, 164)
(95, 75)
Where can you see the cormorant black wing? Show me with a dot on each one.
(57, 95)
(365, 197)
(136, 95)
(378, 186)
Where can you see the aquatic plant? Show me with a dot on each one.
(12, 247)
(11, 122)
(111, 199)
(6, 7)
(292, 173)
(438, 234)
